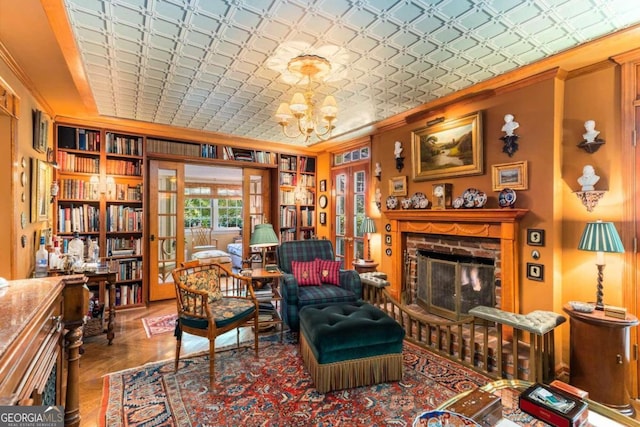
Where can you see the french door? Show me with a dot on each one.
(350, 188)
(166, 226)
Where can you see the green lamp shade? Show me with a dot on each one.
(263, 236)
(368, 226)
(600, 237)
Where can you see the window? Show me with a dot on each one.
(219, 206)
(228, 213)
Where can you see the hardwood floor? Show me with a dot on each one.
(132, 348)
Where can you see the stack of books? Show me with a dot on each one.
(263, 293)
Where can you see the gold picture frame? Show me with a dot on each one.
(450, 148)
(510, 175)
(398, 186)
(40, 183)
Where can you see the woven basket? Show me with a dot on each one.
(93, 327)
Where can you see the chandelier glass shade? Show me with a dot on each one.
(302, 105)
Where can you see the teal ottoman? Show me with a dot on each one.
(350, 345)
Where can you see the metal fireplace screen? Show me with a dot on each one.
(450, 285)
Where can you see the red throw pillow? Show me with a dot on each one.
(329, 271)
(306, 273)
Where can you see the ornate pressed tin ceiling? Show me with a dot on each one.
(216, 65)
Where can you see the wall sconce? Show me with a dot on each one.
(397, 152)
(591, 142)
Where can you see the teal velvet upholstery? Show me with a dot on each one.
(338, 332)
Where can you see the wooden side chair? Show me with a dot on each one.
(211, 301)
(202, 239)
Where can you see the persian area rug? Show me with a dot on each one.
(159, 325)
(275, 390)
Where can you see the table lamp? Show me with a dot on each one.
(263, 237)
(368, 226)
(600, 237)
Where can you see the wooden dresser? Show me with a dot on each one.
(38, 318)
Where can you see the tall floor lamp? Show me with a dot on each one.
(600, 237)
(263, 237)
(368, 226)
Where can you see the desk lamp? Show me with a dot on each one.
(600, 237)
(263, 237)
(368, 226)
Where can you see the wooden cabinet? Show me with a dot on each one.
(296, 195)
(600, 355)
(101, 186)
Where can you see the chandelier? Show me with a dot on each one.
(301, 108)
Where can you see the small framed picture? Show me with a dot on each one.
(535, 237)
(535, 272)
(387, 239)
(398, 186)
(323, 185)
(510, 175)
(323, 218)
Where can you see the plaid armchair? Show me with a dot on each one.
(294, 297)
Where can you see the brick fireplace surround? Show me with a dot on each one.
(500, 224)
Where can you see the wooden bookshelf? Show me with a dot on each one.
(296, 196)
(101, 177)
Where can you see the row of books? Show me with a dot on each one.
(173, 147)
(127, 295)
(78, 189)
(126, 145)
(124, 219)
(209, 151)
(70, 162)
(288, 178)
(129, 269)
(78, 139)
(84, 218)
(287, 197)
(307, 217)
(128, 192)
(288, 163)
(124, 167)
(307, 181)
(307, 164)
(119, 246)
(287, 217)
(287, 235)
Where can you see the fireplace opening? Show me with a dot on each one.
(450, 285)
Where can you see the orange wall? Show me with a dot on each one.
(530, 106)
(11, 152)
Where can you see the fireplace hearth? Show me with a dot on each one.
(449, 285)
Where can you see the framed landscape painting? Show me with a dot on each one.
(450, 148)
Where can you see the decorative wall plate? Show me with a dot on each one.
(387, 227)
(23, 220)
(392, 202)
(388, 251)
(507, 198)
(23, 178)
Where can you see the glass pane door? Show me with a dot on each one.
(350, 210)
(166, 237)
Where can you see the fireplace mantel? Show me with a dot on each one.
(502, 224)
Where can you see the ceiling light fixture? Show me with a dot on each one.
(301, 106)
